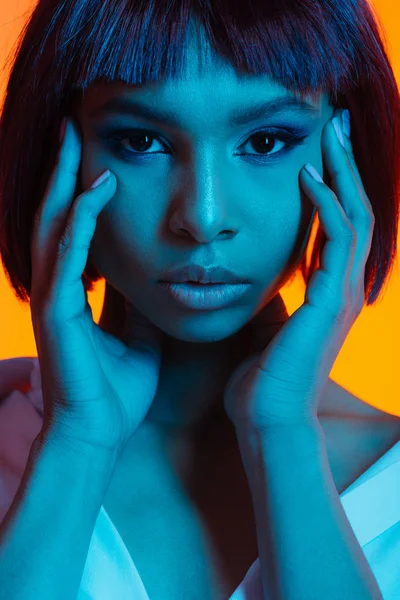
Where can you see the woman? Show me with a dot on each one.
(204, 427)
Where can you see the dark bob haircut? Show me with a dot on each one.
(307, 46)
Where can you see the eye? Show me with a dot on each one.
(265, 141)
(140, 141)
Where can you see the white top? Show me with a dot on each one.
(371, 503)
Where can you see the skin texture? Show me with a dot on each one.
(204, 201)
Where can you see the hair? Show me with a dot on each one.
(308, 46)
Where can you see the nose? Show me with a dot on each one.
(204, 209)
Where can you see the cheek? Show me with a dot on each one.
(284, 215)
(283, 231)
(123, 242)
(301, 223)
(92, 162)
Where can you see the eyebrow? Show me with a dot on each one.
(240, 116)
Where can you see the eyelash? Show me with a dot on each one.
(292, 139)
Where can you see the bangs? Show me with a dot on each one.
(304, 45)
(308, 47)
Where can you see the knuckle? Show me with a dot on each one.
(84, 207)
(338, 309)
(66, 236)
(357, 301)
(65, 239)
(331, 193)
(336, 295)
(368, 219)
(348, 237)
(349, 232)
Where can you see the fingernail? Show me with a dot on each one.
(63, 129)
(313, 172)
(346, 122)
(100, 179)
(338, 129)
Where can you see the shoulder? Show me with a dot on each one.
(337, 402)
(357, 434)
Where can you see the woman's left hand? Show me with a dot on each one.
(284, 384)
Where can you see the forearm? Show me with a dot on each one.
(307, 548)
(45, 536)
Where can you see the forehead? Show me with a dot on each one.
(206, 79)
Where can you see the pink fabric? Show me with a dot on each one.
(371, 503)
(20, 423)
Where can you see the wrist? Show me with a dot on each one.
(298, 442)
(280, 430)
(73, 448)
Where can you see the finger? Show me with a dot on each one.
(338, 252)
(348, 146)
(347, 184)
(67, 299)
(370, 217)
(52, 214)
(350, 194)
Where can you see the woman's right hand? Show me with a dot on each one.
(96, 388)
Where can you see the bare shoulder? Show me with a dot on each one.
(337, 402)
(357, 434)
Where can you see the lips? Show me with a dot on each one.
(198, 283)
(205, 296)
(204, 275)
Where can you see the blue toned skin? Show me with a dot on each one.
(205, 192)
(201, 195)
(284, 385)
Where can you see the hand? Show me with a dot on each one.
(284, 383)
(97, 389)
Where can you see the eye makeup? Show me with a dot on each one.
(113, 136)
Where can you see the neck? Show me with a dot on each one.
(192, 377)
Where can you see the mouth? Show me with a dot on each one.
(204, 296)
(198, 283)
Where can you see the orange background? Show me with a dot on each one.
(368, 361)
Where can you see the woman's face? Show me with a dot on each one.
(205, 190)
